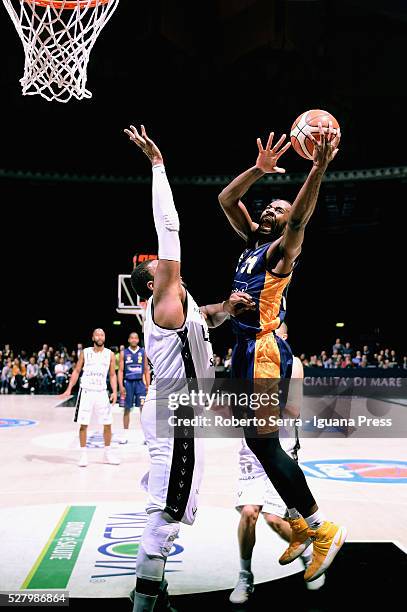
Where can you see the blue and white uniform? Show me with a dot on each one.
(134, 363)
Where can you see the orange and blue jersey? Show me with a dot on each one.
(259, 353)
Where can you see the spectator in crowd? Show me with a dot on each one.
(23, 358)
(227, 362)
(404, 366)
(6, 374)
(348, 349)
(47, 377)
(219, 367)
(42, 353)
(18, 375)
(364, 363)
(61, 371)
(347, 362)
(32, 375)
(328, 363)
(7, 353)
(338, 346)
(323, 357)
(358, 358)
(366, 352)
(393, 359)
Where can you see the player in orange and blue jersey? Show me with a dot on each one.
(264, 271)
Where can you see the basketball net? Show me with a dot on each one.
(58, 36)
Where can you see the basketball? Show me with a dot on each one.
(305, 124)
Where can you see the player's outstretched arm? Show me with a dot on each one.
(216, 314)
(169, 294)
(230, 197)
(74, 378)
(304, 205)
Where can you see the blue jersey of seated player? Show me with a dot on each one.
(134, 364)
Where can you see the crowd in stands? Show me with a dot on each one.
(347, 356)
(48, 370)
(340, 356)
(45, 371)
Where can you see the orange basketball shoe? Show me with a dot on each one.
(327, 541)
(300, 540)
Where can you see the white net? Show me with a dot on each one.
(58, 37)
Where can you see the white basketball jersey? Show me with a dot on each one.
(179, 353)
(95, 369)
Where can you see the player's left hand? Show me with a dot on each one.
(146, 144)
(238, 302)
(113, 398)
(326, 149)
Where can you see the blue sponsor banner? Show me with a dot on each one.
(358, 470)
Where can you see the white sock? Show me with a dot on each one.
(83, 450)
(315, 520)
(144, 603)
(293, 513)
(246, 564)
(307, 554)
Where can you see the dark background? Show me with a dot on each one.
(206, 79)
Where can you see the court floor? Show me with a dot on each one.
(95, 515)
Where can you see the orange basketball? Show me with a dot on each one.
(305, 124)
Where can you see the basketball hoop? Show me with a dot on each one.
(58, 36)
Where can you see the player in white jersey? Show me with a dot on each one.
(97, 362)
(256, 494)
(178, 347)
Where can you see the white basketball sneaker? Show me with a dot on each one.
(111, 457)
(243, 589)
(123, 438)
(83, 460)
(315, 584)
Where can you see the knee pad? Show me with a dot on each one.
(159, 534)
(156, 542)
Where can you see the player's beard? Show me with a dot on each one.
(99, 343)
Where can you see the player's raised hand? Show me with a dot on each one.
(145, 143)
(326, 148)
(268, 156)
